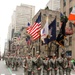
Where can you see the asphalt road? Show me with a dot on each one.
(4, 70)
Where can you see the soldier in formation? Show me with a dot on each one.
(51, 66)
(69, 66)
(62, 64)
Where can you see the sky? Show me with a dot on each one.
(7, 8)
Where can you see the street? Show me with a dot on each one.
(4, 70)
(8, 71)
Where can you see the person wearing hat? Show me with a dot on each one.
(29, 64)
(54, 65)
(39, 63)
(69, 65)
(47, 67)
(62, 63)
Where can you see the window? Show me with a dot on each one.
(64, 3)
(57, 24)
(70, 41)
(64, 13)
(70, 25)
(69, 53)
(70, 0)
(33, 51)
(70, 10)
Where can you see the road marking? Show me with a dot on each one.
(10, 70)
(2, 74)
(13, 74)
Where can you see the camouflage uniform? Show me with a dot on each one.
(47, 66)
(24, 66)
(54, 65)
(29, 64)
(34, 67)
(13, 63)
(39, 63)
(62, 64)
(69, 66)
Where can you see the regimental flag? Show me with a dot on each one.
(52, 32)
(29, 27)
(61, 35)
(72, 14)
(44, 31)
(36, 28)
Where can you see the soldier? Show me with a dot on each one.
(54, 65)
(25, 66)
(69, 66)
(34, 66)
(16, 63)
(13, 63)
(8, 61)
(62, 63)
(47, 66)
(29, 64)
(39, 63)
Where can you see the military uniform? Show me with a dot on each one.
(54, 65)
(29, 65)
(39, 63)
(34, 66)
(69, 66)
(25, 66)
(16, 63)
(47, 66)
(13, 63)
(62, 64)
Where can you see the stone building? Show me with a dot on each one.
(37, 44)
(66, 7)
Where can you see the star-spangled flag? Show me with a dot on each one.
(29, 27)
(36, 28)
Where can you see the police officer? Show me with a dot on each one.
(69, 66)
(54, 65)
(39, 63)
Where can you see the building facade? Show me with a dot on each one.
(22, 15)
(37, 45)
(53, 5)
(66, 8)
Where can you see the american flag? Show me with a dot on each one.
(29, 28)
(34, 30)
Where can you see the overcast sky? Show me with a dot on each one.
(6, 10)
